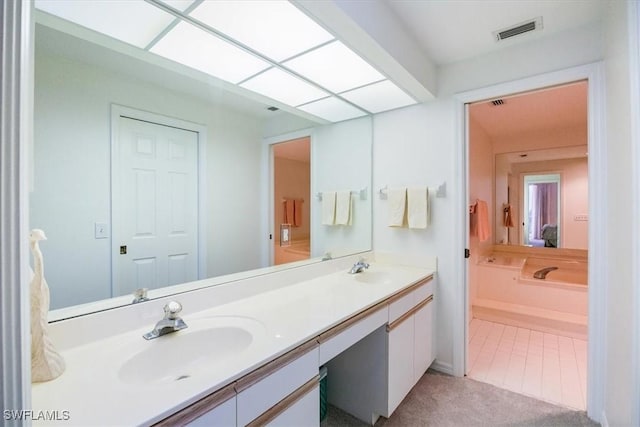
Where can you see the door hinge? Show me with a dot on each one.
(467, 253)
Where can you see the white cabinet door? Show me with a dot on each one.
(304, 413)
(400, 362)
(423, 344)
(223, 415)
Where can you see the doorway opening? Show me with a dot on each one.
(528, 281)
(291, 202)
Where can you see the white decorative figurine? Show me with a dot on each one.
(46, 362)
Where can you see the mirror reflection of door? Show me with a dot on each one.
(292, 200)
(541, 226)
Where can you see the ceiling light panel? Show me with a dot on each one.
(332, 109)
(335, 67)
(276, 29)
(132, 21)
(379, 97)
(181, 5)
(196, 48)
(284, 87)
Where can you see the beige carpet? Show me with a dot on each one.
(442, 400)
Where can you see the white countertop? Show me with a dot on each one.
(94, 394)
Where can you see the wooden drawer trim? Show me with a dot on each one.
(354, 319)
(411, 288)
(408, 314)
(265, 370)
(325, 336)
(285, 403)
(199, 408)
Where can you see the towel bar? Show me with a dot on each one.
(362, 193)
(440, 192)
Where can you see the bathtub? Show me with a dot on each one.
(298, 250)
(506, 292)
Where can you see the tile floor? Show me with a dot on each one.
(545, 366)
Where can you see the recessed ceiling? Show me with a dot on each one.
(451, 31)
(269, 47)
(554, 108)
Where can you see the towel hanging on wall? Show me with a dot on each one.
(507, 217)
(297, 212)
(482, 228)
(396, 203)
(343, 208)
(328, 207)
(418, 207)
(288, 211)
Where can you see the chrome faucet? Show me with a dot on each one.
(140, 295)
(170, 323)
(359, 267)
(542, 273)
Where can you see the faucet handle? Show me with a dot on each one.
(172, 309)
(140, 295)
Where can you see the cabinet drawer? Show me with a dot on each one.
(304, 412)
(336, 344)
(400, 305)
(263, 389)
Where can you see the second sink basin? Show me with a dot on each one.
(179, 355)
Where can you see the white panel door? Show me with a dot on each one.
(423, 345)
(155, 206)
(401, 373)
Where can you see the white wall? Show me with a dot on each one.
(72, 174)
(620, 359)
(414, 145)
(341, 160)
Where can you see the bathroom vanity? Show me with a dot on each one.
(254, 360)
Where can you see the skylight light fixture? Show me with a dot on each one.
(181, 5)
(335, 67)
(196, 48)
(284, 87)
(377, 97)
(276, 28)
(332, 109)
(132, 21)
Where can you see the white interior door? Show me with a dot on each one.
(155, 206)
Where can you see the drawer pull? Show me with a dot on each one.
(408, 314)
(285, 403)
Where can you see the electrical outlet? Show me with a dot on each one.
(101, 230)
(581, 217)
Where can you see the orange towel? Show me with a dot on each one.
(297, 212)
(507, 218)
(483, 228)
(288, 209)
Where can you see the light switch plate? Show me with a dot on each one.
(101, 230)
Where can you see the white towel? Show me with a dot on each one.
(418, 207)
(328, 207)
(343, 208)
(396, 201)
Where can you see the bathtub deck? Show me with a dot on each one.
(545, 366)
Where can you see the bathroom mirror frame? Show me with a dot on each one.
(265, 226)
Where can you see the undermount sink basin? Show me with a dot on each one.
(182, 354)
(372, 276)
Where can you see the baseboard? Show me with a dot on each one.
(445, 368)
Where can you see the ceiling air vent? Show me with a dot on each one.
(272, 108)
(497, 102)
(524, 27)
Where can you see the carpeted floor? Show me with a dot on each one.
(442, 400)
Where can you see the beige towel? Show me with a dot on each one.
(343, 208)
(418, 207)
(396, 203)
(328, 207)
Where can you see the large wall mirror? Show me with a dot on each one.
(101, 118)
